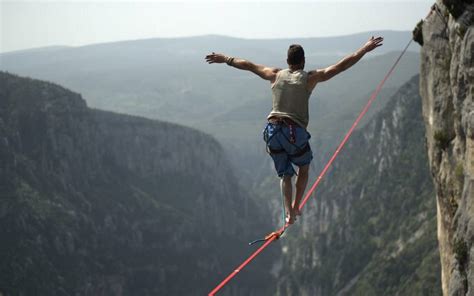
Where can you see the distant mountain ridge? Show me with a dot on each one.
(34, 50)
(325, 43)
(168, 79)
(164, 72)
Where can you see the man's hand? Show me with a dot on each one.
(372, 43)
(325, 74)
(216, 58)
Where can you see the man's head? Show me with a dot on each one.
(296, 58)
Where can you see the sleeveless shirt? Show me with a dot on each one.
(290, 96)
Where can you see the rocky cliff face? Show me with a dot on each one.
(370, 228)
(446, 86)
(97, 203)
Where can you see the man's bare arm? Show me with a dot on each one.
(321, 75)
(267, 73)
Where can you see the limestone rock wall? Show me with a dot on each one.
(446, 87)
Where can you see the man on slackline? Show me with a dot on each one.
(285, 134)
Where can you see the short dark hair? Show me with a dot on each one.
(295, 54)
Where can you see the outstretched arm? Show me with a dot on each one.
(320, 75)
(264, 72)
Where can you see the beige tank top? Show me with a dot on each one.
(291, 96)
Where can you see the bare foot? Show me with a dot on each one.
(290, 219)
(296, 210)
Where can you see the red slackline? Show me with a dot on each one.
(275, 235)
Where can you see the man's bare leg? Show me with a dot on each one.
(287, 191)
(301, 182)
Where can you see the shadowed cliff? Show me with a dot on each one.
(97, 203)
(446, 86)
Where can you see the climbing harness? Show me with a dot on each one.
(277, 234)
(277, 124)
(292, 134)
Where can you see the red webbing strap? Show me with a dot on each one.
(238, 269)
(321, 175)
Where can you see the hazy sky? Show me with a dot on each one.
(28, 24)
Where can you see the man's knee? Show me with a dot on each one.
(303, 170)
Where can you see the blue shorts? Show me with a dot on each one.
(283, 152)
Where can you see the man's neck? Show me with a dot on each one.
(295, 68)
